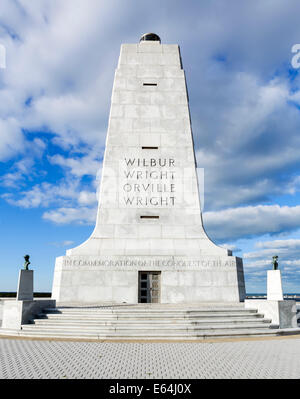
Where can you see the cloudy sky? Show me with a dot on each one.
(245, 108)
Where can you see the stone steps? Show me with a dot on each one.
(145, 318)
(149, 336)
(150, 313)
(148, 328)
(147, 322)
(157, 323)
(147, 310)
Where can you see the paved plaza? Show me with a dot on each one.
(277, 358)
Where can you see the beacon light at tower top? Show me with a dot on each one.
(150, 37)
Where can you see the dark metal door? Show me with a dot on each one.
(149, 287)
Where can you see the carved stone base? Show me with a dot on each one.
(97, 279)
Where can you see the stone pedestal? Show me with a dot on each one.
(25, 286)
(274, 286)
(16, 313)
(282, 313)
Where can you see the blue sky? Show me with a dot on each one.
(245, 109)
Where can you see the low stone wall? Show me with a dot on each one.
(1, 306)
(282, 313)
(15, 313)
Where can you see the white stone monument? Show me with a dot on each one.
(149, 244)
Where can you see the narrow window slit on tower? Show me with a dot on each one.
(149, 217)
(149, 84)
(149, 148)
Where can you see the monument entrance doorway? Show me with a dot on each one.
(149, 287)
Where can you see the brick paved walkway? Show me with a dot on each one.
(277, 358)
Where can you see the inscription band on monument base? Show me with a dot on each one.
(149, 263)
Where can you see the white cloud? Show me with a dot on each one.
(292, 263)
(19, 171)
(62, 54)
(249, 221)
(287, 250)
(11, 138)
(42, 195)
(247, 144)
(86, 165)
(80, 215)
(87, 198)
(65, 243)
(261, 263)
(24, 169)
(57, 61)
(279, 244)
(231, 247)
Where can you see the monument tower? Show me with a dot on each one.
(149, 244)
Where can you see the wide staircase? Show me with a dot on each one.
(148, 322)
